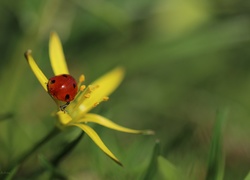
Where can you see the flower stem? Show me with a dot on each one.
(57, 159)
(39, 144)
(6, 116)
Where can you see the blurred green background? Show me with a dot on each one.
(184, 60)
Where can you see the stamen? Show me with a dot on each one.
(81, 78)
(96, 104)
(87, 95)
(105, 98)
(92, 87)
(82, 87)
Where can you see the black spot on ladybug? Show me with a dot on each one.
(74, 85)
(64, 75)
(67, 97)
(53, 81)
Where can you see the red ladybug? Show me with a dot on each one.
(63, 88)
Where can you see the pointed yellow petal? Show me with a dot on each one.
(95, 118)
(94, 136)
(56, 54)
(36, 70)
(63, 117)
(105, 86)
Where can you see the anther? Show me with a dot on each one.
(96, 104)
(92, 87)
(82, 87)
(87, 95)
(105, 98)
(81, 78)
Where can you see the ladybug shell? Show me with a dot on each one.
(62, 87)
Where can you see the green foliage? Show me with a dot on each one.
(5, 116)
(247, 177)
(153, 166)
(168, 170)
(183, 61)
(216, 156)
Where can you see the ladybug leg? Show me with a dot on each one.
(63, 107)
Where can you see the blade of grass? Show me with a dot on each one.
(168, 170)
(6, 116)
(247, 177)
(152, 168)
(216, 157)
(12, 173)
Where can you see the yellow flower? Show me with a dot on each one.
(77, 112)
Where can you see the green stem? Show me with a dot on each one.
(58, 158)
(39, 144)
(6, 116)
(66, 150)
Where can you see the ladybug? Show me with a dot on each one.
(63, 88)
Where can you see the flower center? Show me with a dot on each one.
(83, 94)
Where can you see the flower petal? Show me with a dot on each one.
(95, 118)
(36, 70)
(63, 117)
(106, 85)
(56, 54)
(94, 136)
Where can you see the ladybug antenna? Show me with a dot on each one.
(63, 107)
